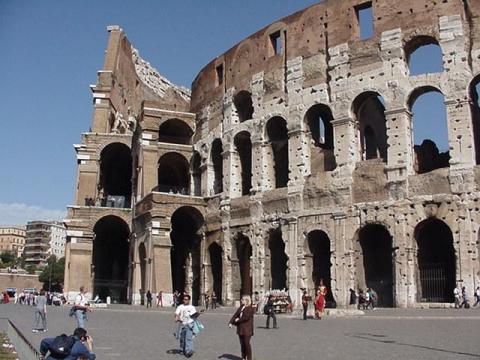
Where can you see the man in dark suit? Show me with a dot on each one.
(243, 320)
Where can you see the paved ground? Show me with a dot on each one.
(122, 332)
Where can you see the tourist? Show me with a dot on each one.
(373, 297)
(361, 299)
(185, 314)
(464, 303)
(269, 310)
(160, 299)
(77, 346)
(456, 294)
(353, 297)
(40, 313)
(305, 300)
(149, 298)
(214, 300)
(81, 308)
(243, 320)
(477, 296)
(320, 300)
(207, 300)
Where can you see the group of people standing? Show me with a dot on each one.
(364, 300)
(149, 298)
(318, 303)
(462, 300)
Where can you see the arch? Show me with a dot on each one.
(431, 149)
(277, 133)
(142, 257)
(175, 131)
(423, 55)
(110, 259)
(242, 254)
(115, 184)
(186, 236)
(276, 276)
(195, 163)
(243, 146)
(216, 255)
(173, 174)
(375, 269)
(318, 261)
(243, 103)
(369, 111)
(474, 97)
(435, 261)
(217, 162)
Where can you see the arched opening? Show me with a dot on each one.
(110, 259)
(196, 174)
(278, 136)
(142, 256)
(243, 145)
(186, 239)
(277, 274)
(173, 174)
(475, 113)
(436, 261)
(215, 252)
(377, 270)
(243, 250)
(319, 120)
(431, 148)
(175, 131)
(244, 106)
(369, 112)
(115, 186)
(424, 55)
(217, 162)
(318, 261)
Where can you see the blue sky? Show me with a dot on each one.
(51, 51)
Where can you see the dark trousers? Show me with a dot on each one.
(245, 346)
(271, 315)
(149, 302)
(305, 308)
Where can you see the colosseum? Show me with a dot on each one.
(292, 159)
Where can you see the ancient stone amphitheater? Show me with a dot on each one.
(291, 160)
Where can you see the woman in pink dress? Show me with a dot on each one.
(320, 300)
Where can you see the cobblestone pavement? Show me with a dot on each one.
(123, 332)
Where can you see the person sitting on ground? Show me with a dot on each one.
(77, 346)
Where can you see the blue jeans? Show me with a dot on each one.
(186, 339)
(80, 316)
(40, 316)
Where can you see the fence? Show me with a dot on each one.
(25, 350)
(434, 281)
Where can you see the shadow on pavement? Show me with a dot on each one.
(229, 357)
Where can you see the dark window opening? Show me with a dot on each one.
(185, 251)
(377, 269)
(115, 187)
(243, 145)
(173, 174)
(196, 174)
(436, 261)
(276, 43)
(244, 253)
(142, 257)
(475, 113)
(364, 14)
(244, 106)
(215, 252)
(318, 119)
(278, 135)
(318, 256)
(110, 259)
(175, 131)
(424, 55)
(278, 261)
(219, 73)
(217, 160)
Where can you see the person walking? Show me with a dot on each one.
(465, 304)
(477, 296)
(456, 294)
(207, 300)
(305, 300)
(353, 297)
(184, 314)
(269, 310)
(214, 300)
(40, 313)
(149, 298)
(160, 299)
(243, 320)
(81, 308)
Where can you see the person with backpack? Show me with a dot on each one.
(80, 308)
(269, 310)
(149, 298)
(77, 346)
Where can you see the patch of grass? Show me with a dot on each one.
(7, 351)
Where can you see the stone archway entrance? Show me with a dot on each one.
(435, 261)
(110, 259)
(376, 269)
(243, 254)
(186, 239)
(215, 253)
(276, 276)
(142, 255)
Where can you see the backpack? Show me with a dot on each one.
(61, 346)
(267, 309)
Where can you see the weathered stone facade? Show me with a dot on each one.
(285, 166)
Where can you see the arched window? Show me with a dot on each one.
(475, 113)
(196, 173)
(217, 162)
(430, 147)
(278, 136)
(243, 145)
(369, 112)
(244, 106)
(175, 131)
(424, 55)
(173, 174)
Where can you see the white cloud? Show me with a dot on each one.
(20, 214)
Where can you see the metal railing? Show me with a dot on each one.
(25, 350)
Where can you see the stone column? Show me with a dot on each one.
(346, 145)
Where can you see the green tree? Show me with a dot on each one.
(52, 274)
(7, 258)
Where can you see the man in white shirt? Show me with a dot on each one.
(183, 314)
(81, 308)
